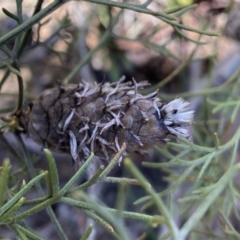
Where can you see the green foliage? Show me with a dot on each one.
(14, 219)
(208, 167)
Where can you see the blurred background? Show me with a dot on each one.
(83, 40)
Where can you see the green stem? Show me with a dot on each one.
(34, 210)
(24, 190)
(174, 73)
(18, 38)
(28, 33)
(213, 90)
(77, 175)
(28, 232)
(86, 235)
(106, 215)
(155, 197)
(119, 180)
(90, 182)
(32, 173)
(135, 8)
(176, 183)
(20, 87)
(4, 78)
(126, 214)
(86, 58)
(99, 220)
(4, 175)
(54, 181)
(171, 20)
(9, 14)
(35, 201)
(6, 50)
(206, 203)
(12, 210)
(113, 162)
(31, 21)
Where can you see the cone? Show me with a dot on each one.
(99, 118)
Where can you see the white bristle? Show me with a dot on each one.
(177, 112)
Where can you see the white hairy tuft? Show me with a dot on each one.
(177, 116)
(177, 112)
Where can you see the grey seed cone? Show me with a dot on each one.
(99, 118)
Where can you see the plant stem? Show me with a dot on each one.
(32, 173)
(206, 203)
(20, 87)
(155, 197)
(87, 57)
(31, 21)
(28, 33)
(132, 7)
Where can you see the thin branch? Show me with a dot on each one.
(31, 21)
